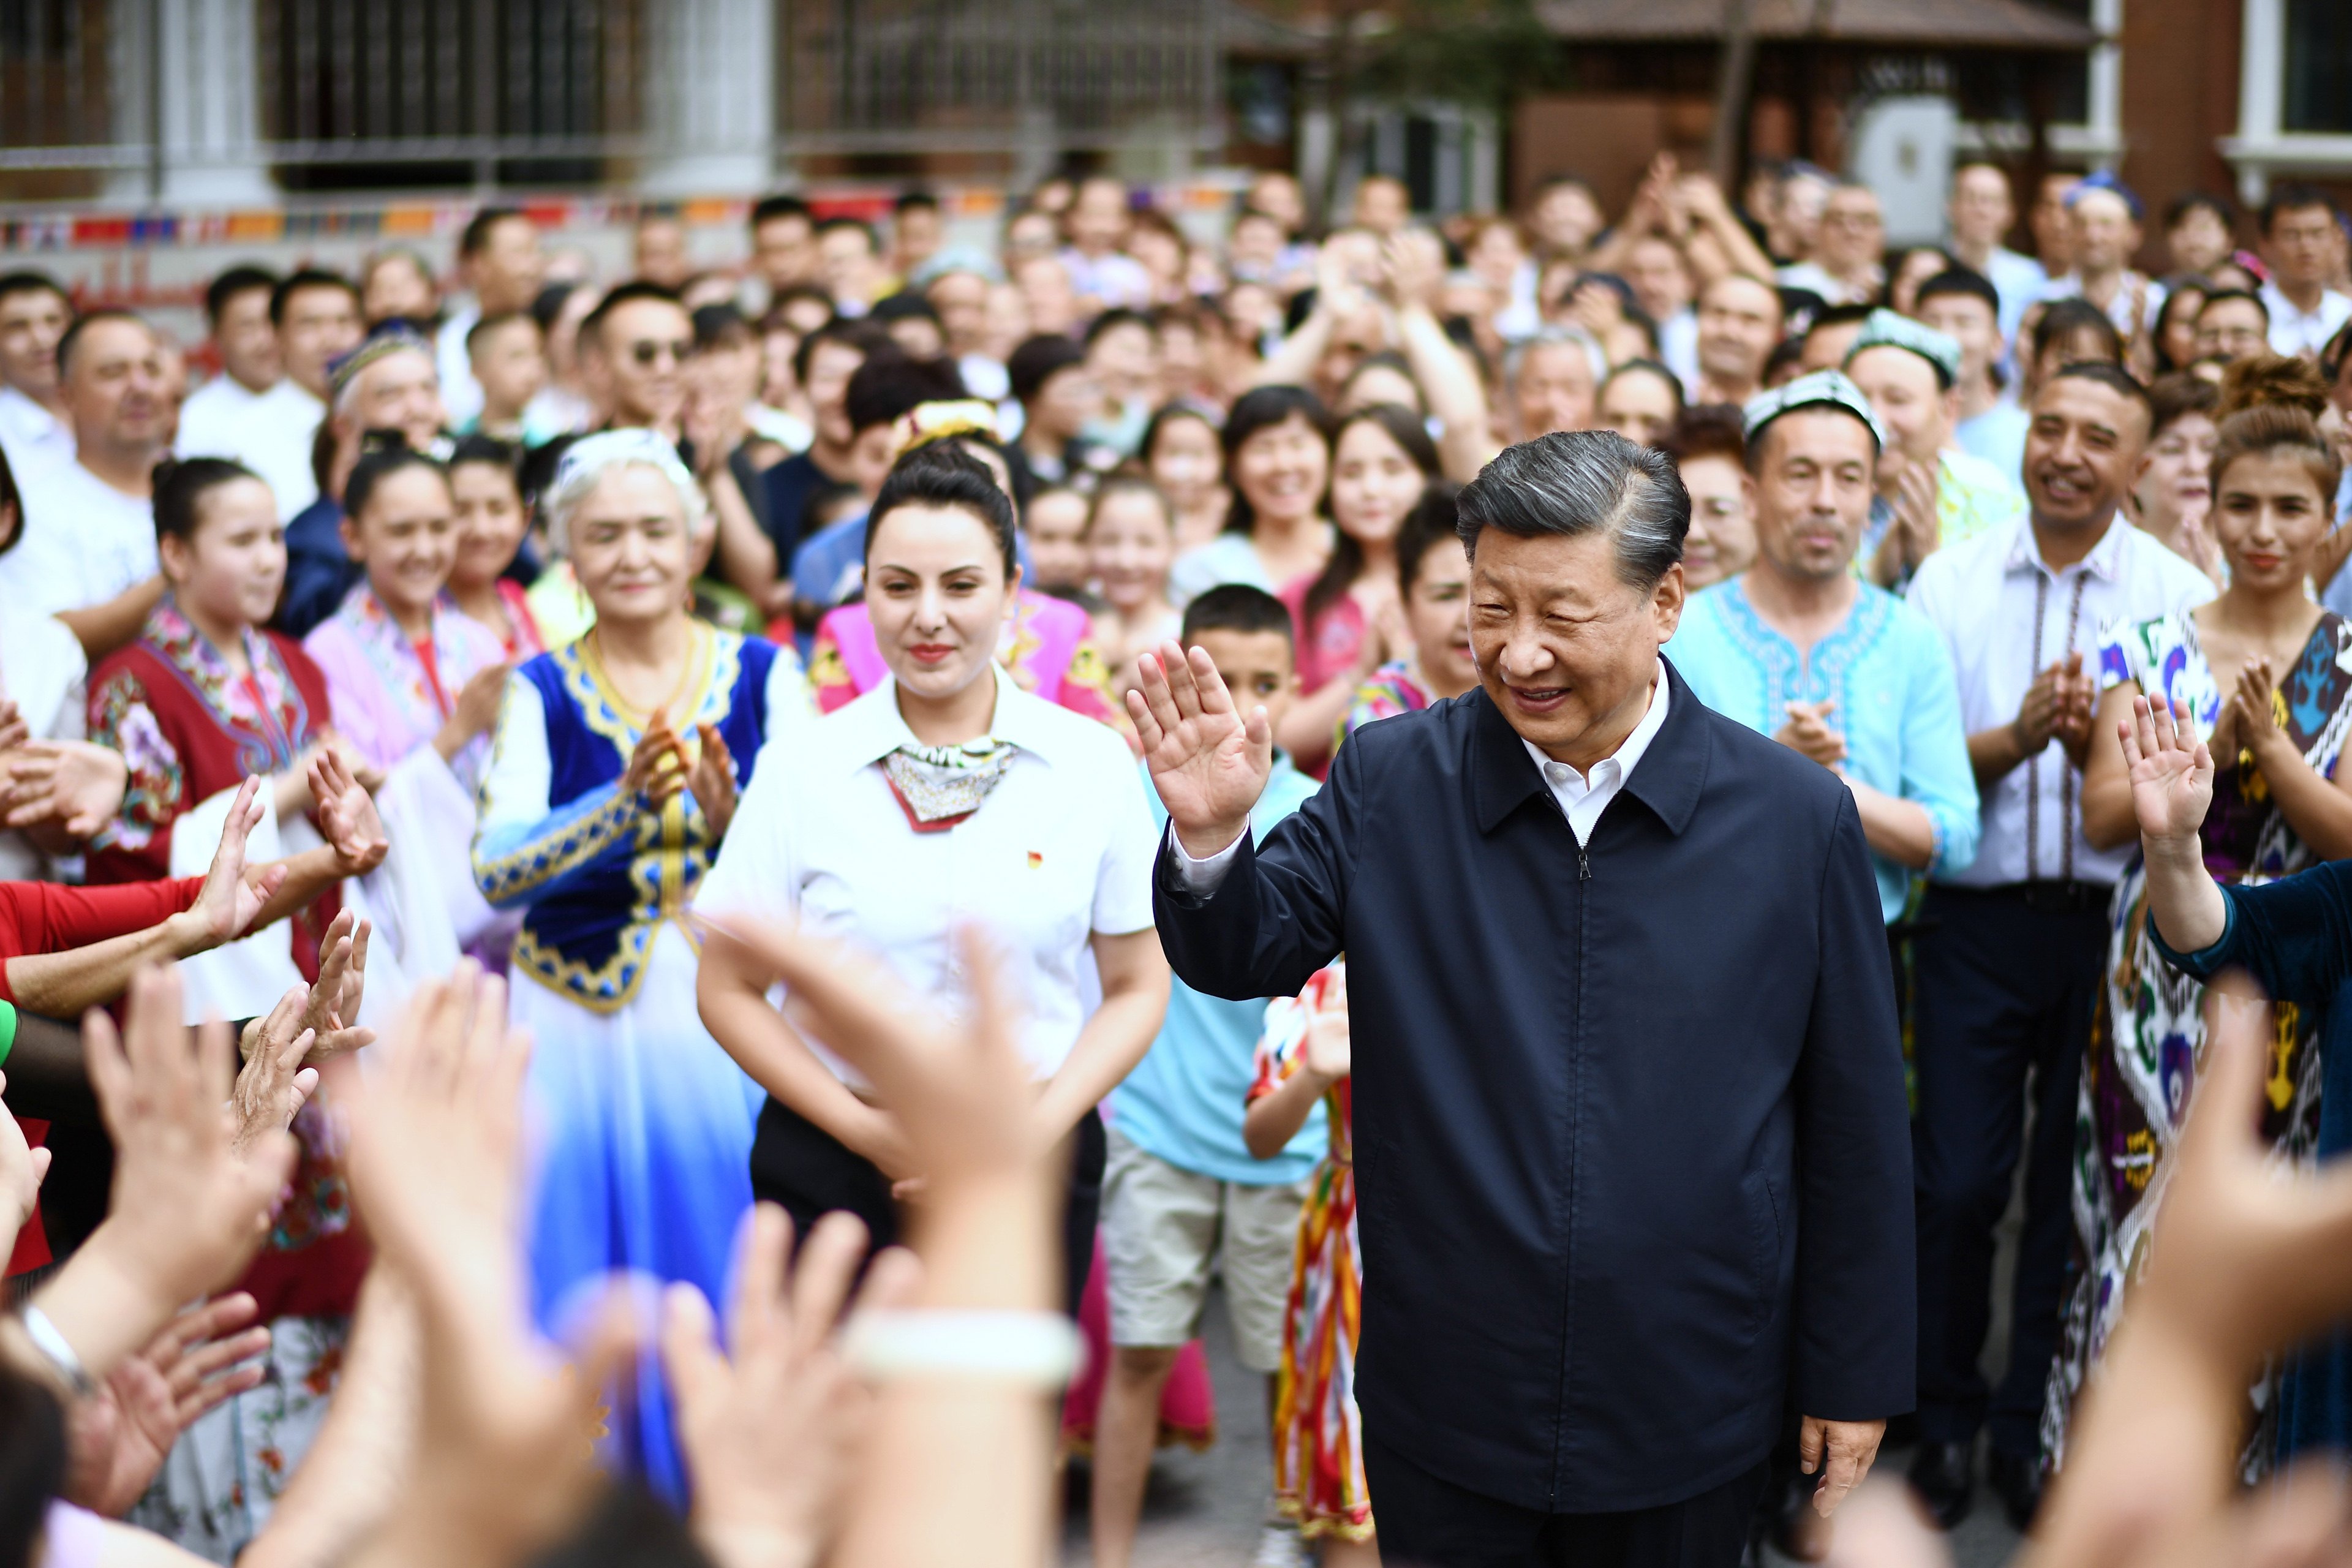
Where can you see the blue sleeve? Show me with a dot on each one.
(1935, 772)
(2294, 936)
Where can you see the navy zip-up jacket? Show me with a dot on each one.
(1633, 1154)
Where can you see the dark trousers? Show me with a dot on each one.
(2005, 982)
(1425, 1522)
(800, 1166)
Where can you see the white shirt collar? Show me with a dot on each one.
(2104, 560)
(872, 727)
(1618, 767)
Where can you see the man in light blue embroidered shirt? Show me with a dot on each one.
(1181, 1190)
(1797, 649)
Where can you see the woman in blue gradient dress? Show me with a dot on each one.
(616, 773)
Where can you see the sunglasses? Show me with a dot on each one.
(649, 351)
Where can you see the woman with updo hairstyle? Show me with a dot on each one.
(618, 764)
(1049, 645)
(945, 797)
(2263, 676)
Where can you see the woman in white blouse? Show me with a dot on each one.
(946, 796)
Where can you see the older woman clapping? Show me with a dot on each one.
(616, 773)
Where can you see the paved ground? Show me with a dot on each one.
(1204, 1510)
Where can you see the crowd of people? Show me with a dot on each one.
(599, 661)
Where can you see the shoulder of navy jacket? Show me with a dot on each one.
(1673, 772)
(1502, 775)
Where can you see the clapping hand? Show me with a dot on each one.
(772, 1425)
(332, 1010)
(2254, 707)
(73, 787)
(272, 1084)
(1806, 728)
(120, 1438)
(347, 818)
(187, 1209)
(658, 764)
(2171, 772)
(2057, 707)
(1209, 762)
(710, 779)
(228, 901)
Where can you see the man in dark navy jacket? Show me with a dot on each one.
(1632, 1157)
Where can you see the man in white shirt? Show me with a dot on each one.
(252, 412)
(34, 314)
(499, 259)
(2299, 241)
(2006, 970)
(88, 552)
(1981, 211)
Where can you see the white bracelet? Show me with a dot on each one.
(58, 1351)
(1041, 1348)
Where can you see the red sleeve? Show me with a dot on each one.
(47, 916)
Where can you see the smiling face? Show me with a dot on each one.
(1813, 486)
(319, 321)
(1184, 462)
(2234, 328)
(643, 347)
(1722, 539)
(1130, 544)
(938, 596)
(490, 522)
(1280, 470)
(627, 542)
(1901, 385)
(1374, 483)
(227, 573)
(2268, 517)
(1438, 611)
(407, 538)
(2080, 451)
(1554, 390)
(1567, 648)
(116, 390)
(2106, 234)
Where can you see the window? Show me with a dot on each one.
(2319, 66)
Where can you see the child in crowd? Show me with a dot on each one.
(1182, 1189)
(1303, 1061)
(1131, 539)
(1434, 573)
(1054, 527)
(509, 356)
(491, 523)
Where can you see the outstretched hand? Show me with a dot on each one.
(1208, 760)
(347, 818)
(228, 901)
(2172, 770)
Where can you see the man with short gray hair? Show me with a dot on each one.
(1631, 1148)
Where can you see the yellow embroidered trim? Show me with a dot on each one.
(543, 860)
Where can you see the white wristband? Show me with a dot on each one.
(59, 1353)
(1041, 1348)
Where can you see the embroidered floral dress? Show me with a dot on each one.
(1318, 1451)
(2148, 1036)
(190, 729)
(645, 1123)
(1395, 688)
